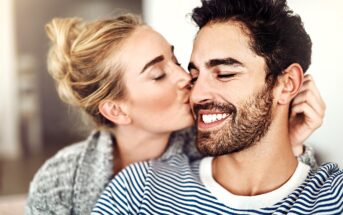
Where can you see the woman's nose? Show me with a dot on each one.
(183, 79)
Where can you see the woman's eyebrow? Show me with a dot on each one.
(152, 62)
(156, 60)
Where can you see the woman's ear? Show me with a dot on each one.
(290, 82)
(114, 111)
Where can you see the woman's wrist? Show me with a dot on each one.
(298, 150)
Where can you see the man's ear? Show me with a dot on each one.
(290, 82)
(114, 111)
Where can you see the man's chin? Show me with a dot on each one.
(217, 149)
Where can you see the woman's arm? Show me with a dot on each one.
(308, 157)
(50, 189)
(307, 113)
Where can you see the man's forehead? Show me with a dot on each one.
(221, 40)
(220, 34)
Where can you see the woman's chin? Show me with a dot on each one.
(188, 122)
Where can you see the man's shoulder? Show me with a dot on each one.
(328, 173)
(151, 173)
(322, 191)
(141, 183)
(177, 164)
(327, 178)
(330, 177)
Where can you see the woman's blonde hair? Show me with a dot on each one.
(79, 62)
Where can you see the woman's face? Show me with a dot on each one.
(157, 87)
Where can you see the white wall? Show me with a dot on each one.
(323, 21)
(9, 144)
(170, 18)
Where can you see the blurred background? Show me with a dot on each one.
(35, 124)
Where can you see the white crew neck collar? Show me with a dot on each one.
(250, 202)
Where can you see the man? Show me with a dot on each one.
(247, 65)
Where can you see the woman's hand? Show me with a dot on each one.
(307, 113)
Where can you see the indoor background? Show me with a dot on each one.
(35, 123)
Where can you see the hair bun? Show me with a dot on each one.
(63, 33)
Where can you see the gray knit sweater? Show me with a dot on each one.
(71, 181)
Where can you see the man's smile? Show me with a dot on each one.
(211, 119)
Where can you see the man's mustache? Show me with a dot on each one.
(225, 108)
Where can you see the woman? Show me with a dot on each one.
(125, 77)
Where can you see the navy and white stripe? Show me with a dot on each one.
(174, 187)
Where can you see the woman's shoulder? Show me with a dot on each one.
(64, 161)
(56, 179)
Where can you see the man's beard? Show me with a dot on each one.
(245, 127)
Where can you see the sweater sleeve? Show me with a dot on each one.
(189, 146)
(51, 189)
(308, 157)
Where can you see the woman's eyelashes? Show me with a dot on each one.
(159, 77)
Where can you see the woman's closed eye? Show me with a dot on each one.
(159, 77)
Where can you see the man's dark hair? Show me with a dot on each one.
(276, 33)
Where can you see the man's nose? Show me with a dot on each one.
(201, 91)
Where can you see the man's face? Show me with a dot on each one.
(230, 99)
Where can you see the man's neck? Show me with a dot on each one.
(259, 169)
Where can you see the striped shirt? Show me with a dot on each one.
(174, 187)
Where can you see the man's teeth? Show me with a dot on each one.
(209, 118)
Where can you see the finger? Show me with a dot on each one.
(311, 116)
(309, 84)
(308, 98)
(313, 96)
(308, 77)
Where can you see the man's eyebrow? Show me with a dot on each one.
(216, 62)
(223, 61)
(152, 62)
